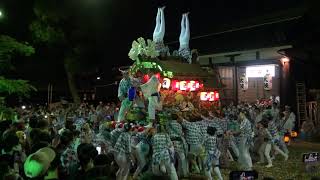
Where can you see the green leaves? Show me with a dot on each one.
(18, 87)
(42, 32)
(9, 46)
(141, 48)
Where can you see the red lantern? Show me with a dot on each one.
(146, 78)
(158, 75)
(197, 85)
(185, 85)
(216, 95)
(209, 96)
(175, 85)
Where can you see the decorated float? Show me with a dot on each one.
(184, 85)
(164, 80)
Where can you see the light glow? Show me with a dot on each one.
(285, 60)
(157, 75)
(286, 139)
(260, 71)
(183, 85)
(192, 86)
(189, 85)
(146, 78)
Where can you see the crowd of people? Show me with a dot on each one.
(87, 142)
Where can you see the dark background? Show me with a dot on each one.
(112, 25)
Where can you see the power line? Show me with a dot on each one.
(105, 85)
(239, 29)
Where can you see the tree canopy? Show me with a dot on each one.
(10, 47)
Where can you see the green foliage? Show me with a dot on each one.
(42, 32)
(49, 22)
(18, 87)
(10, 47)
(6, 113)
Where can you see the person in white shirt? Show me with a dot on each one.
(151, 91)
(289, 119)
(246, 135)
(212, 153)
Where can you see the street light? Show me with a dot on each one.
(98, 78)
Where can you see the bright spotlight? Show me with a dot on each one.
(98, 78)
(23, 107)
(285, 60)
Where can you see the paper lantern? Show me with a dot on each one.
(183, 85)
(294, 134)
(175, 85)
(267, 81)
(244, 82)
(203, 96)
(216, 95)
(166, 83)
(286, 138)
(209, 96)
(146, 78)
(158, 75)
(192, 86)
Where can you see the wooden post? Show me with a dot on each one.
(235, 77)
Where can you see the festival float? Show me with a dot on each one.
(182, 83)
(186, 85)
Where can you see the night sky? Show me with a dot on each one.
(112, 25)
